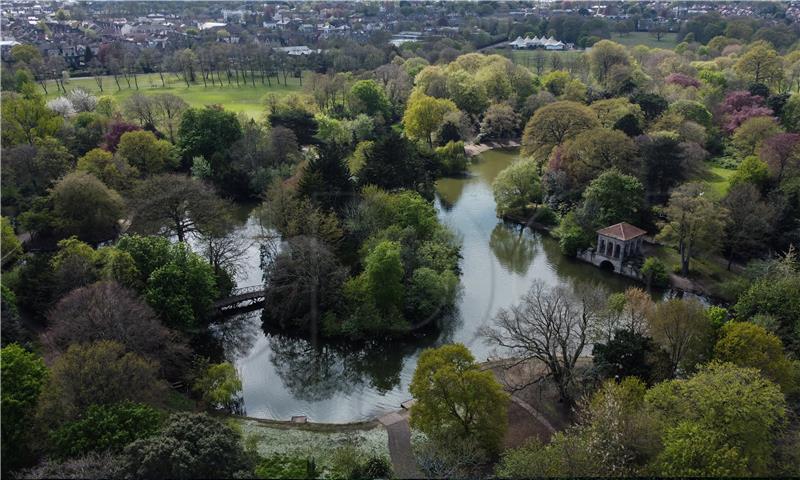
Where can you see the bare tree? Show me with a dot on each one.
(143, 108)
(552, 326)
(170, 108)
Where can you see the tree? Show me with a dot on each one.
(189, 446)
(551, 325)
(630, 354)
(467, 92)
(393, 162)
(104, 428)
(746, 344)
(23, 375)
(298, 120)
(95, 466)
(174, 204)
(500, 121)
(99, 373)
(664, 164)
(782, 154)
(682, 329)
(170, 109)
(760, 64)
(113, 171)
(738, 404)
(108, 311)
(9, 243)
(182, 289)
(605, 55)
(424, 115)
(207, 131)
(142, 150)
(552, 124)
(326, 179)
(690, 449)
(219, 385)
(457, 399)
(693, 222)
(302, 283)
(142, 108)
(752, 132)
(749, 224)
(26, 118)
(368, 97)
(751, 171)
(613, 197)
(452, 158)
(85, 207)
(516, 188)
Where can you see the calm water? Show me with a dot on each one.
(284, 376)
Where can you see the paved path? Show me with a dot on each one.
(403, 462)
(534, 413)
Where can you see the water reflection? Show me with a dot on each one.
(334, 382)
(512, 247)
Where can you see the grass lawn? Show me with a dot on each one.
(717, 178)
(708, 271)
(247, 99)
(668, 40)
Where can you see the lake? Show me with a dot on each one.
(335, 382)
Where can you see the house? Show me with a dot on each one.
(619, 249)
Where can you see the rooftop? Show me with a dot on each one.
(622, 231)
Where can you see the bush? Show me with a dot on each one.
(105, 428)
(571, 237)
(655, 272)
(285, 466)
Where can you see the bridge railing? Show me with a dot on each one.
(244, 290)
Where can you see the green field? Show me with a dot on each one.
(718, 179)
(249, 99)
(668, 40)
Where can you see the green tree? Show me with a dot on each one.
(457, 399)
(26, 118)
(206, 132)
(466, 92)
(368, 97)
(604, 56)
(613, 197)
(738, 404)
(142, 150)
(777, 297)
(748, 345)
(86, 207)
(325, 180)
(516, 188)
(694, 450)
(552, 124)
(219, 384)
(750, 223)
(182, 289)
(105, 428)
(115, 172)
(452, 158)
(693, 222)
(99, 373)
(747, 139)
(424, 115)
(9, 243)
(23, 377)
(760, 64)
(189, 446)
(682, 329)
(589, 153)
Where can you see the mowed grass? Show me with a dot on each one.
(527, 58)
(668, 40)
(248, 99)
(717, 178)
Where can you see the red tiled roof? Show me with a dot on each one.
(622, 231)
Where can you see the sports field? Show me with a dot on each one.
(248, 99)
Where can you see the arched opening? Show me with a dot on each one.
(606, 265)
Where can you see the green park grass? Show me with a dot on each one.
(717, 178)
(668, 40)
(246, 99)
